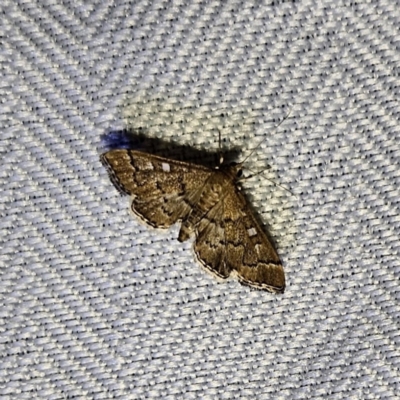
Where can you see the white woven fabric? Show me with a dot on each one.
(94, 305)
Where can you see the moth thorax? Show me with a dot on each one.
(211, 195)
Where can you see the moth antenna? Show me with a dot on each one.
(281, 186)
(263, 140)
(259, 173)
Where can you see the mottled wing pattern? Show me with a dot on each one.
(210, 244)
(162, 189)
(230, 241)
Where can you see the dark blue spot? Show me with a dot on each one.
(121, 139)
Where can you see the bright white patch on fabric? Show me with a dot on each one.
(252, 232)
(166, 167)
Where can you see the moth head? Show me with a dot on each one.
(234, 170)
(237, 168)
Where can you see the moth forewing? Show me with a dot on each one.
(208, 202)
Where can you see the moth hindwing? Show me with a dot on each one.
(208, 203)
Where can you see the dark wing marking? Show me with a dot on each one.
(162, 189)
(231, 242)
(249, 251)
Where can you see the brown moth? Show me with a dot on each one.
(208, 203)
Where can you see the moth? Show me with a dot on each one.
(210, 206)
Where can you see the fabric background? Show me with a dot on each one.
(95, 305)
